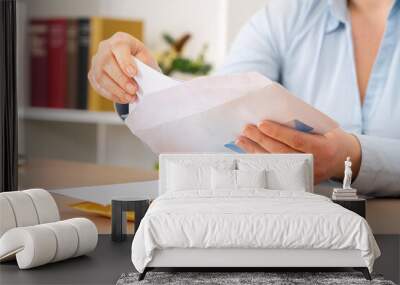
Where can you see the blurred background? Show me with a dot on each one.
(68, 135)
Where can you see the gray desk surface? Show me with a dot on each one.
(102, 266)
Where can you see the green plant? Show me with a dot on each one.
(173, 60)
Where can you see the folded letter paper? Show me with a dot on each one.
(207, 113)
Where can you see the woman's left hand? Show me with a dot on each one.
(329, 150)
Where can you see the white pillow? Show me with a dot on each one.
(223, 179)
(183, 178)
(251, 178)
(281, 174)
(293, 179)
(237, 179)
(190, 174)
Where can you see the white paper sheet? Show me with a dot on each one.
(207, 114)
(151, 81)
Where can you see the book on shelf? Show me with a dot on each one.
(39, 61)
(72, 64)
(57, 64)
(83, 62)
(61, 50)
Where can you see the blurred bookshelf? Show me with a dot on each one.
(60, 116)
(61, 49)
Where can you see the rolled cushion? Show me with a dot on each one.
(40, 244)
(33, 246)
(87, 235)
(26, 208)
(23, 208)
(46, 207)
(7, 218)
(66, 238)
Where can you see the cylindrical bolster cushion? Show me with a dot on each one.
(7, 218)
(41, 244)
(23, 208)
(87, 235)
(33, 246)
(46, 207)
(67, 240)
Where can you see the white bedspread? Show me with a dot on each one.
(250, 219)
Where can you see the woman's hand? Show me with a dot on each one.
(329, 150)
(113, 69)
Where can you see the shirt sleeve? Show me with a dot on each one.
(256, 48)
(379, 173)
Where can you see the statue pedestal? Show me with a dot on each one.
(344, 194)
(341, 190)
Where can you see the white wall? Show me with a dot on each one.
(63, 8)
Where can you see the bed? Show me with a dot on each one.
(246, 211)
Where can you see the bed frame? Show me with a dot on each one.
(236, 259)
(259, 259)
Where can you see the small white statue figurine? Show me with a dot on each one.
(347, 174)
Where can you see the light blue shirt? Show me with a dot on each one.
(306, 45)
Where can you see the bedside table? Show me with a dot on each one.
(118, 217)
(356, 205)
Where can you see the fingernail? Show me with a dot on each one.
(131, 71)
(262, 124)
(131, 88)
(133, 99)
(246, 128)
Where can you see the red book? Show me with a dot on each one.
(57, 65)
(39, 62)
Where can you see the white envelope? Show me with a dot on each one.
(207, 114)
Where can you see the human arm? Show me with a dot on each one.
(376, 161)
(329, 150)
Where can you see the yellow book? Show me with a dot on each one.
(101, 29)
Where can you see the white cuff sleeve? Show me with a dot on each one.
(379, 173)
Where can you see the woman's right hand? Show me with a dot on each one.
(112, 70)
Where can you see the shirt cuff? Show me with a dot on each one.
(122, 110)
(368, 179)
(379, 169)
